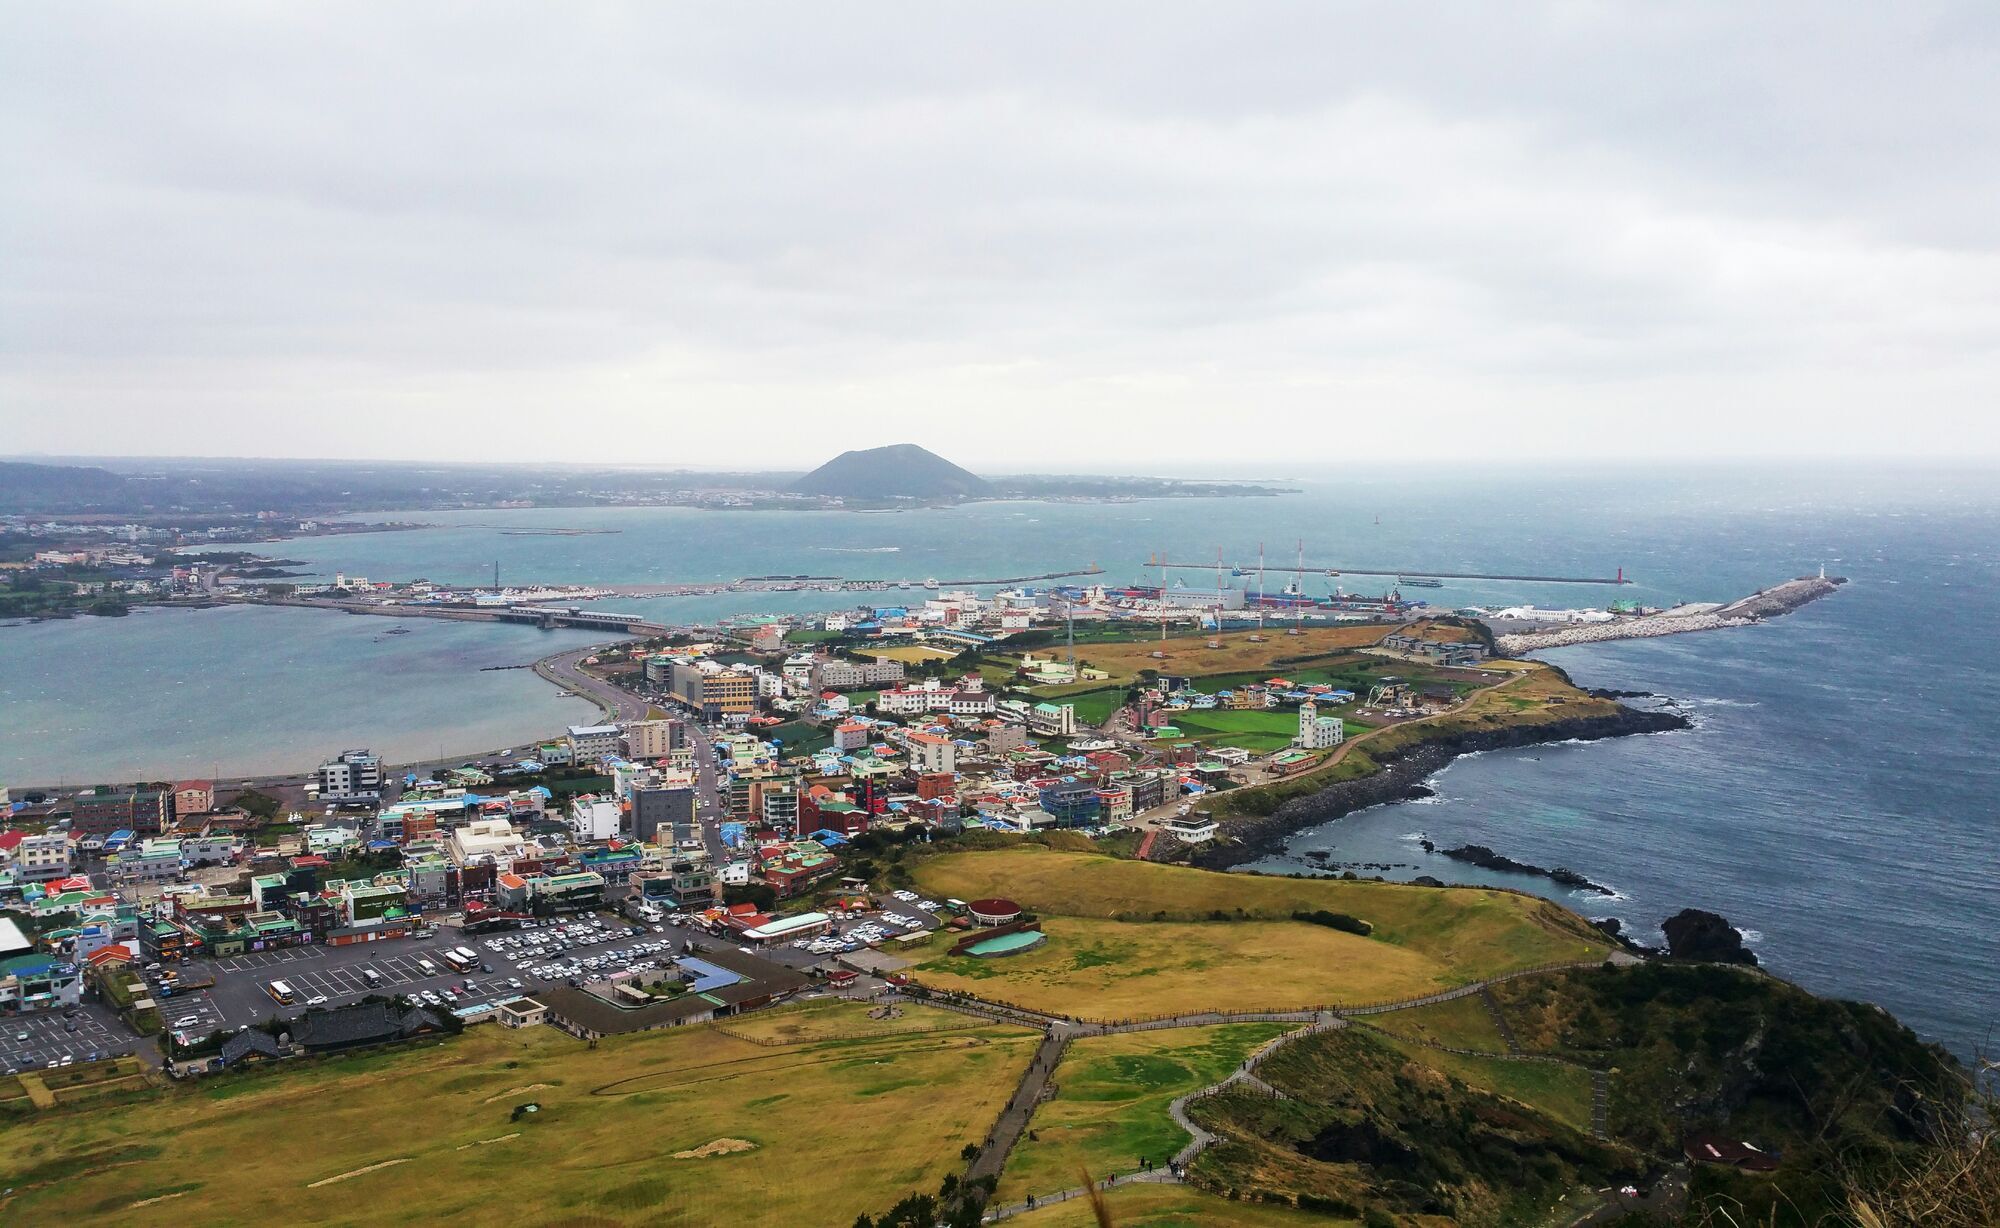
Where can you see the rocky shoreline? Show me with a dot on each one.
(1402, 779)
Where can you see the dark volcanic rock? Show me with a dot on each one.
(1425, 880)
(1704, 937)
(1486, 859)
(1614, 929)
(1402, 777)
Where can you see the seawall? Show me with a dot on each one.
(1772, 602)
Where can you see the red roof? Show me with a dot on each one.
(184, 785)
(12, 839)
(997, 906)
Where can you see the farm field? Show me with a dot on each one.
(1468, 932)
(1111, 1104)
(683, 1127)
(1112, 970)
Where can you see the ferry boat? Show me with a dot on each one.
(1418, 582)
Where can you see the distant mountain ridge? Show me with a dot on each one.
(898, 471)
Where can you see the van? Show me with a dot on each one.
(371, 976)
(427, 967)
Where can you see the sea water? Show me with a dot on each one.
(1836, 798)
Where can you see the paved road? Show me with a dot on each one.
(619, 705)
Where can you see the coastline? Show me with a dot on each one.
(1402, 778)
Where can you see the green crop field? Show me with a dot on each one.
(684, 1127)
(1258, 730)
(1111, 1104)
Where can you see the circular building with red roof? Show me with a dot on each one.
(995, 911)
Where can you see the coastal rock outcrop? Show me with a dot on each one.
(1704, 937)
(1486, 859)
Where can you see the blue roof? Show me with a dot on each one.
(707, 975)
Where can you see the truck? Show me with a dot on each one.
(640, 909)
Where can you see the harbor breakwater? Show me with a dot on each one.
(1402, 777)
(1766, 603)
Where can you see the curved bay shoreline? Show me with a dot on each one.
(1402, 779)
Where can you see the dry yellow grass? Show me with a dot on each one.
(836, 1128)
(1112, 970)
(1239, 652)
(1467, 933)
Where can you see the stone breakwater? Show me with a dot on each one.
(1402, 777)
(1765, 603)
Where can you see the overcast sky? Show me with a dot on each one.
(1062, 236)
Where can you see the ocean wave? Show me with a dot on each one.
(1751, 937)
(858, 549)
(1709, 702)
(1412, 837)
(1433, 799)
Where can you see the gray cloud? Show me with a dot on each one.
(688, 235)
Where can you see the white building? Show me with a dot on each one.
(930, 752)
(1052, 720)
(592, 818)
(37, 859)
(1318, 732)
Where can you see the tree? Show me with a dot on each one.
(258, 804)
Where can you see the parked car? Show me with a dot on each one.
(318, 999)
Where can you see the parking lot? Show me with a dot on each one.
(37, 1041)
(582, 948)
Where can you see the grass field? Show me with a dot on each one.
(831, 1020)
(1239, 652)
(1480, 932)
(1094, 707)
(833, 1128)
(801, 737)
(1562, 1092)
(1462, 1023)
(1258, 731)
(1173, 1206)
(1111, 970)
(1111, 1104)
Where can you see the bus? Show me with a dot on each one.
(460, 959)
(282, 992)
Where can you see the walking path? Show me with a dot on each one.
(1035, 1082)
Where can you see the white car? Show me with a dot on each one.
(318, 999)
(188, 1021)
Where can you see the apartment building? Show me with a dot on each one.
(354, 777)
(654, 739)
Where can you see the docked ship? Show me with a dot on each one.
(1418, 582)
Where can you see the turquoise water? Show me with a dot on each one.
(1006, 944)
(250, 690)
